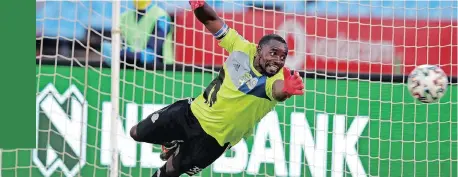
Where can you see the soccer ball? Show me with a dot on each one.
(427, 83)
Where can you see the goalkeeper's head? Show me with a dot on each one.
(271, 54)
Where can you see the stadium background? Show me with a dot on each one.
(355, 55)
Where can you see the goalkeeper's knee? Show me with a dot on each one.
(133, 133)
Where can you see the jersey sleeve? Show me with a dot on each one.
(270, 83)
(235, 42)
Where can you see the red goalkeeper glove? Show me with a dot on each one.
(196, 4)
(293, 84)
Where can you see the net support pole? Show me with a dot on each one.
(115, 69)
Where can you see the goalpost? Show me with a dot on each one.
(356, 117)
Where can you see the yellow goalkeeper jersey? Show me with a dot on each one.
(236, 100)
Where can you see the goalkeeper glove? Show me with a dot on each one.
(293, 84)
(196, 4)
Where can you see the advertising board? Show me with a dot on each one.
(337, 128)
(334, 44)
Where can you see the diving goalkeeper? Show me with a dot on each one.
(196, 132)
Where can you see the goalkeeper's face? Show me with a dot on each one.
(272, 57)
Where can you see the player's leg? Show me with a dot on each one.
(169, 148)
(167, 140)
(162, 126)
(191, 158)
(203, 151)
(196, 153)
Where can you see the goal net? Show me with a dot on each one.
(356, 117)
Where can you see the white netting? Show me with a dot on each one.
(358, 125)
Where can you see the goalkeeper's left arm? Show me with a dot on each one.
(207, 16)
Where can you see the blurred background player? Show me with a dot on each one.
(147, 36)
(250, 84)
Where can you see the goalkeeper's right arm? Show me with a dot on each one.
(207, 16)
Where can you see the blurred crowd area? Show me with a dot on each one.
(81, 30)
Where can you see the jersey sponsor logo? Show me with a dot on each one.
(193, 170)
(64, 117)
(252, 82)
(245, 78)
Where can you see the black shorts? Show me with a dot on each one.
(176, 122)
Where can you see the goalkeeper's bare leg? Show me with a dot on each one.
(186, 146)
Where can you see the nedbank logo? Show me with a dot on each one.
(61, 124)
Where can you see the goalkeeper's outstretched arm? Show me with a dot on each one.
(207, 16)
